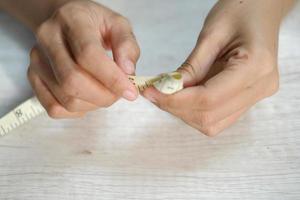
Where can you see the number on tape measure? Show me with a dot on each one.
(166, 83)
(20, 115)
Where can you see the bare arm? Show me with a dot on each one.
(69, 70)
(233, 66)
(31, 12)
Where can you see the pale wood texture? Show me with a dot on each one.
(135, 151)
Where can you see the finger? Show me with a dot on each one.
(214, 130)
(202, 122)
(245, 99)
(210, 108)
(90, 55)
(50, 38)
(228, 83)
(207, 49)
(73, 80)
(48, 101)
(126, 51)
(188, 98)
(42, 68)
(175, 102)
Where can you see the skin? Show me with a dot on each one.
(69, 71)
(232, 67)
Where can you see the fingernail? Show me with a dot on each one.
(129, 67)
(129, 95)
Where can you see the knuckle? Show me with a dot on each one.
(61, 13)
(71, 104)
(130, 46)
(115, 81)
(55, 111)
(204, 118)
(42, 33)
(70, 12)
(108, 103)
(111, 101)
(70, 83)
(210, 131)
(86, 52)
(119, 19)
(55, 56)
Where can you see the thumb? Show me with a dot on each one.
(198, 63)
(125, 48)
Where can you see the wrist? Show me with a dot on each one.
(47, 10)
(31, 12)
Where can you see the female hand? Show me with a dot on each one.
(70, 71)
(232, 67)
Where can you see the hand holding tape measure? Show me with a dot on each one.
(165, 83)
(225, 74)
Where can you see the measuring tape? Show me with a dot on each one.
(165, 83)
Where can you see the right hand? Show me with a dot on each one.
(70, 71)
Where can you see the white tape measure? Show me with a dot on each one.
(20, 115)
(165, 83)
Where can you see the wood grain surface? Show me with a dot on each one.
(134, 151)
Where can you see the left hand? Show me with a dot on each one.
(70, 71)
(232, 67)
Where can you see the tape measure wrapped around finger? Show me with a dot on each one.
(169, 83)
(165, 83)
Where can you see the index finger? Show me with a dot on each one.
(85, 42)
(218, 89)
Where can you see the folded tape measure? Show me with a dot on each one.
(165, 83)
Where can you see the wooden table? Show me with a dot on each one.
(134, 151)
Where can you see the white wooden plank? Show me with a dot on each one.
(135, 151)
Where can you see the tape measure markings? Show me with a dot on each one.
(20, 115)
(166, 83)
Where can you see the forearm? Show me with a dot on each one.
(31, 12)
